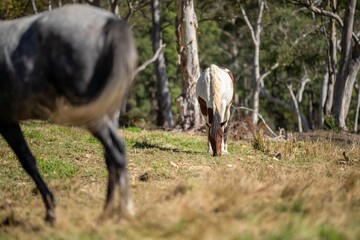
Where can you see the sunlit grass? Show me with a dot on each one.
(273, 190)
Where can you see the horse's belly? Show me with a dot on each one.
(24, 105)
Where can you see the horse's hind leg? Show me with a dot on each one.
(116, 164)
(13, 135)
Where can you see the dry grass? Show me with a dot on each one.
(306, 189)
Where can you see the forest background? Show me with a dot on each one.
(295, 63)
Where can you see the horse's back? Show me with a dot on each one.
(54, 54)
(222, 81)
(203, 86)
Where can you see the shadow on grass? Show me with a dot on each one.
(146, 145)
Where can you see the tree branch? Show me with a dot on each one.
(150, 61)
(296, 105)
(259, 18)
(323, 12)
(261, 117)
(249, 24)
(34, 6)
(304, 81)
(287, 106)
(261, 80)
(130, 10)
(310, 5)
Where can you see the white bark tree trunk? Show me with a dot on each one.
(349, 67)
(296, 106)
(256, 81)
(164, 116)
(186, 26)
(33, 3)
(331, 61)
(357, 109)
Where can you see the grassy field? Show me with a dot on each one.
(264, 189)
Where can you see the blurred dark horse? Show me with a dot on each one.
(71, 66)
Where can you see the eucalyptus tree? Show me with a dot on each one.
(186, 28)
(348, 68)
(257, 79)
(349, 62)
(164, 116)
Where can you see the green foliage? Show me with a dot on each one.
(330, 124)
(291, 36)
(11, 9)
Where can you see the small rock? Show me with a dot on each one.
(144, 177)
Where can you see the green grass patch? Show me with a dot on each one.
(56, 168)
(32, 134)
(330, 233)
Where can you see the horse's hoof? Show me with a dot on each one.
(122, 211)
(50, 217)
(128, 211)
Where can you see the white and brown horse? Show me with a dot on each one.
(215, 93)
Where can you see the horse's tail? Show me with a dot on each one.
(115, 68)
(215, 87)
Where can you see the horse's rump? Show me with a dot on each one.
(72, 65)
(215, 88)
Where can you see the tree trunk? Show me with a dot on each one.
(349, 67)
(186, 26)
(164, 116)
(34, 7)
(324, 95)
(357, 109)
(114, 7)
(296, 107)
(331, 62)
(256, 81)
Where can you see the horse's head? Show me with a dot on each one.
(216, 133)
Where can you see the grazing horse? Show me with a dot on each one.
(72, 66)
(215, 93)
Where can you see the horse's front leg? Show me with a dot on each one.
(224, 145)
(13, 135)
(208, 142)
(115, 159)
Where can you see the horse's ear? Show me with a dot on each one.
(207, 124)
(223, 123)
